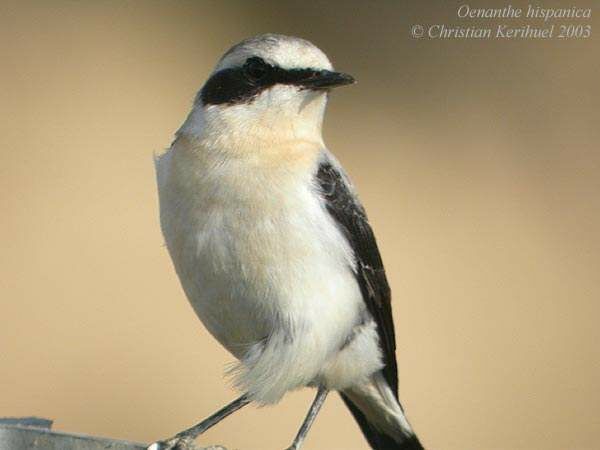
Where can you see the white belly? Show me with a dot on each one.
(270, 276)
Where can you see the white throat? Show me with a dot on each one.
(279, 116)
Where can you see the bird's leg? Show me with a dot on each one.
(184, 440)
(310, 418)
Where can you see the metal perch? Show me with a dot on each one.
(25, 433)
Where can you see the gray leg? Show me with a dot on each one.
(310, 418)
(184, 440)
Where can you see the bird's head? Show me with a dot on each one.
(270, 87)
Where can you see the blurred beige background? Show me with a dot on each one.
(478, 162)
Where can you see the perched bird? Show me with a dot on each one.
(272, 246)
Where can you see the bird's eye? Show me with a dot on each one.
(256, 68)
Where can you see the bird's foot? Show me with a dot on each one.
(175, 443)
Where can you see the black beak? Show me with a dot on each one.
(325, 79)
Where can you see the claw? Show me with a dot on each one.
(174, 444)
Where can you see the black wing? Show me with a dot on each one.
(350, 216)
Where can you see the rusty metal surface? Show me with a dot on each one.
(34, 433)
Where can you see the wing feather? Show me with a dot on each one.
(343, 205)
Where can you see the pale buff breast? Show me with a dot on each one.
(254, 251)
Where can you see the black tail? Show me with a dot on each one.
(378, 440)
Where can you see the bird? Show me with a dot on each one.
(272, 246)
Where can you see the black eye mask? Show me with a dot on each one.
(243, 84)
